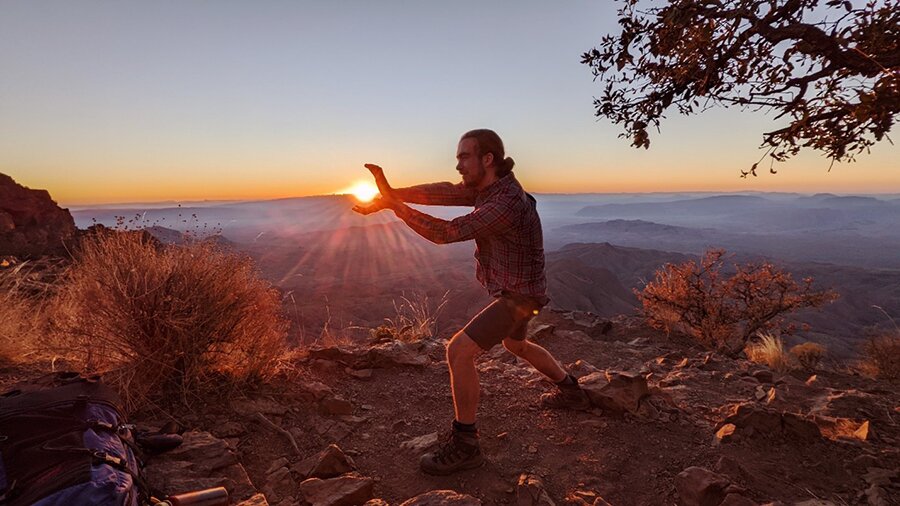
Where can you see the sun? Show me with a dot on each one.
(362, 190)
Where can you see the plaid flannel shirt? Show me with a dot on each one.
(509, 243)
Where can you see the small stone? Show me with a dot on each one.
(279, 485)
(541, 331)
(314, 390)
(724, 434)
(256, 500)
(442, 498)
(616, 391)
(530, 491)
(277, 464)
(335, 406)
(346, 490)
(700, 487)
(763, 376)
(760, 393)
(361, 374)
(328, 463)
(421, 443)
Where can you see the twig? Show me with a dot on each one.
(886, 314)
(276, 428)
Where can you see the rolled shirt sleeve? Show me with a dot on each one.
(491, 219)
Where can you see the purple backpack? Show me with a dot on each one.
(64, 441)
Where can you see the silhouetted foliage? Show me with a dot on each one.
(696, 299)
(837, 78)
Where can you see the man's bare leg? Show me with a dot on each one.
(461, 450)
(568, 394)
(538, 357)
(461, 354)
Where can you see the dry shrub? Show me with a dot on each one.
(808, 354)
(882, 356)
(415, 319)
(167, 323)
(24, 299)
(769, 350)
(723, 313)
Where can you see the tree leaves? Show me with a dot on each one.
(837, 81)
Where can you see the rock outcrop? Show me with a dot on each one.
(31, 223)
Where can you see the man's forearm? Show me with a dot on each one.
(436, 194)
(434, 229)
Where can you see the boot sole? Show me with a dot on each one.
(465, 467)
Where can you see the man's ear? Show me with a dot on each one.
(487, 160)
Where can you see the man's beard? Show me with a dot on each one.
(474, 182)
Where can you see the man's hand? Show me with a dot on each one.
(372, 207)
(383, 187)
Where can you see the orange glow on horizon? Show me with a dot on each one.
(361, 190)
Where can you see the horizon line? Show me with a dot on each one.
(213, 202)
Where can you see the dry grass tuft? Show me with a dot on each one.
(167, 324)
(769, 350)
(809, 355)
(25, 294)
(882, 356)
(415, 319)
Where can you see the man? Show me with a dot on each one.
(510, 264)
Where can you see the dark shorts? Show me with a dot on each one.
(507, 316)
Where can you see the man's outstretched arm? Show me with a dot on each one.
(435, 194)
(489, 219)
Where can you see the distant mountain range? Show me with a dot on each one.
(599, 248)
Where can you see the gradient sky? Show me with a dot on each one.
(104, 101)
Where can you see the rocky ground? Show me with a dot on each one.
(673, 424)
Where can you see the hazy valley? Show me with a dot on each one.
(599, 248)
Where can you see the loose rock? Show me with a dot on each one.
(347, 490)
(617, 391)
(442, 498)
(530, 491)
(700, 487)
(328, 463)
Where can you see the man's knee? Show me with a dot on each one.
(462, 347)
(515, 346)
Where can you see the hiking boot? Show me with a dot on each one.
(568, 395)
(459, 451)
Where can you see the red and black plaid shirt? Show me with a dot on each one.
(509, 244)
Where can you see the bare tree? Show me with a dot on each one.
(831, 68)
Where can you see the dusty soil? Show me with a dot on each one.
(620, 457)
